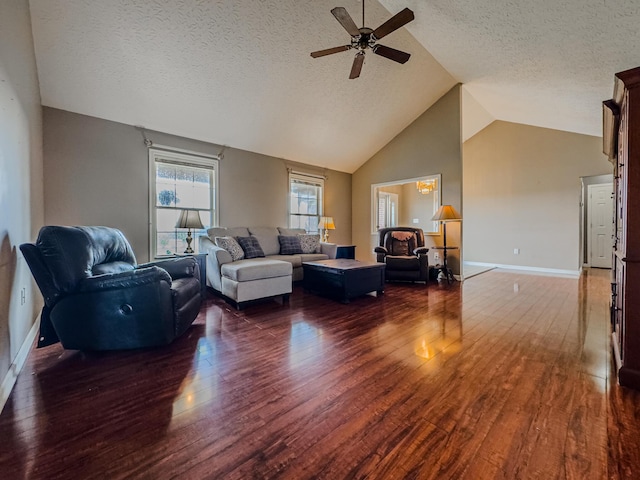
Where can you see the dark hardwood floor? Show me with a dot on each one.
(506, 376)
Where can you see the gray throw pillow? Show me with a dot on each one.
(289, 244)
(309, 243)
(230, 245)
(251, 247)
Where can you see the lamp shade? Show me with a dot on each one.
(326, 223)
(189, 219)
(446, 213)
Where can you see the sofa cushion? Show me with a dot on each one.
(232, 246)
(227, 232)
(291, 231)
(313, 257)
(255, 269)
(402, 263)
(268, 238)
(251, 247)
(294, 260)
(310, 243)
(289, 245)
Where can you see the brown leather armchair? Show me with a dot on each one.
(402, 250)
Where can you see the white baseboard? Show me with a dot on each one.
(17, 364)
(541, 271)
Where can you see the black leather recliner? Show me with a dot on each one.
(96, 296)
(402, 250)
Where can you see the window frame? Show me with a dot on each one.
(174, 156)
(308, 178)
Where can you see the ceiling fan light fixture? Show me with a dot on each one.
(365, 38)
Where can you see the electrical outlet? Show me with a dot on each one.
(516, 251)
(23, 296)
(436, 256)
(416, 220)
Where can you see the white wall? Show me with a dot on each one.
(21, 209)
(522, 189)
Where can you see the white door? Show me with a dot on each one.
(600, 213)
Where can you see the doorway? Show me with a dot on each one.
(599, 225)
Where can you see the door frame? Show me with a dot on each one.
(584, 214)
(589, 224)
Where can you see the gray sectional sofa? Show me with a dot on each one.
(245, 280)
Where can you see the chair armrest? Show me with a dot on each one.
(176, 267)
(219, 256)
(421, 251)
(381, 250)
(129, 279)
(330, 249)
(216, 257)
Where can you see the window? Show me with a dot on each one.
(178, 181)
(305, 201)
(387, 210)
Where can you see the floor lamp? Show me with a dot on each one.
(446, 213)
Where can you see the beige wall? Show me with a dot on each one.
(522, 190)
(417, 206)
(430, 145)
(97, 174)
(20, 183)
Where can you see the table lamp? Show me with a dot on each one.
(326, 223)
(189, 219)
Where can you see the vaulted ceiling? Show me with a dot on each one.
(239, 73)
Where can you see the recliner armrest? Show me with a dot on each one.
(176, 267)
(132, 278)
(421, 251)
(381, 250)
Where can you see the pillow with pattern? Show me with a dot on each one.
(251, 247)
(289, 244)
(309, 243)
(231, 246)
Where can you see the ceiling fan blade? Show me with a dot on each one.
(391, 53)
(346, 21)
(398, 20)
(357, 65)
(329, 51)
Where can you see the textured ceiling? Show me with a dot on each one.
(239, 73)
(548, 63)
(235, 73)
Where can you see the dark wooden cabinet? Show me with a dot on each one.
(621, 138)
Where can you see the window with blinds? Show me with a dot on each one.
(387, 210)
(180, 181)
(305, 201)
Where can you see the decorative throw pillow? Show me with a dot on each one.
(309, 243)
(251, 247)
(230, 245)
(400, 247)
(289, 245)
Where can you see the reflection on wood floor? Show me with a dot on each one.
(505, 376)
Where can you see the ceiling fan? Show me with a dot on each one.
(364, 38)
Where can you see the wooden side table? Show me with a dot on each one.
(346, 251)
